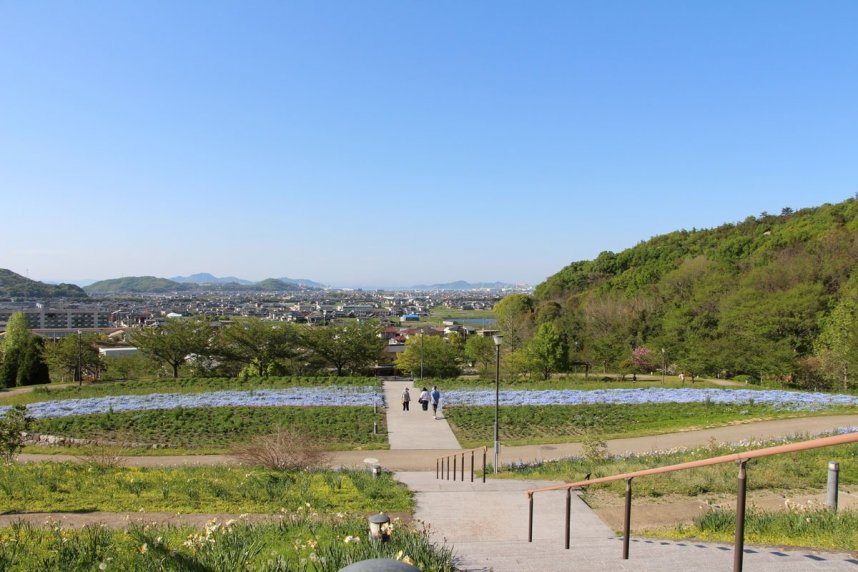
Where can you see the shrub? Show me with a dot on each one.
(594, 447)
(12, 427)
(283, 450)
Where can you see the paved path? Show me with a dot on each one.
(486, 524)
(415, 429)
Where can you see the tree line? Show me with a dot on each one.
(195, 346)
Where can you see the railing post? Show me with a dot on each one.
(484, 464)
(463, 467)
(436, 468)
(454, 467)
(627, 520)
(472, 465)
(530, 517)
(448, 468)
(568, 516)
(739, 548)
(833, 478)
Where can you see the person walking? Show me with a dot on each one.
(406, 399)
(435, 396)
(424, 399)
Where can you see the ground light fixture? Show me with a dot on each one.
(497, 339)
(377, 529)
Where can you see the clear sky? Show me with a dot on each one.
(371, 142)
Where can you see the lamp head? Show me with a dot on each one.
(497, 339)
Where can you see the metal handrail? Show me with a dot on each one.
(740, 458)
(441, 461)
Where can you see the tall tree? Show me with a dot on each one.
(837, 344)
(67, 354)
(546, 352)
(348, 348)
(262, 345)
(437, 357)
(174, 342)
(480, 351)
(514, 314)
(23, 362)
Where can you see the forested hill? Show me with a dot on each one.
(774, 295)
(14, 285)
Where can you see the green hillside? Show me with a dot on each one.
(774, 296)
(14, 285)
(273, 285)
(136, 285)
(153, 285)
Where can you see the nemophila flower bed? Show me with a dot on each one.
(534, 424)
(791, 400)
(181, 385)
(75, 487)
(214, 429)
(295, 397)
(299, 542)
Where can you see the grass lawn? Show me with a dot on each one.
(76, 487)
(529, 425)
(795, 471)
(818, 528)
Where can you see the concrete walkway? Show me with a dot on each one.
(486, 524)
(415, 429)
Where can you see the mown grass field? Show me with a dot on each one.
(216, 429)
(527, 425)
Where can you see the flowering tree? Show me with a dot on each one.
(641, 359)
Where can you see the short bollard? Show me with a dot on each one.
(833, 484)
(378, 527)
(379, 565)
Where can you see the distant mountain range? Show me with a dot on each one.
(14, 285)
(154, 285)
(462, 285)
(206, 278)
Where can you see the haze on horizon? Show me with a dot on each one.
(391, 143)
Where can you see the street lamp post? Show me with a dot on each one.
(663, 365)
(575, 367)
(421, 356)
(79, 370)
(497, 339)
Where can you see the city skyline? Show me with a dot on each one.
(396, 144)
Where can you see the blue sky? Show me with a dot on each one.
(365, 143)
